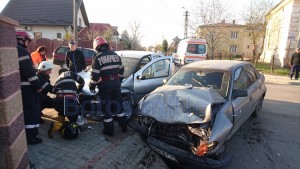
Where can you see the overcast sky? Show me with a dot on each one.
(159, 19)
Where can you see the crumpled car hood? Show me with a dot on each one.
(177, 104)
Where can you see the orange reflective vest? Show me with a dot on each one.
(36, 58)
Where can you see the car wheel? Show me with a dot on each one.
(258, 107)
(127, 107)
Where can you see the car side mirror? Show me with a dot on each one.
(239, 93)
(141, 77)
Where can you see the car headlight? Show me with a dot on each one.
(204, 148)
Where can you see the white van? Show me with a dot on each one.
(190, 50)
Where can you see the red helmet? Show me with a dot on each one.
(99, 41)
(23, 35)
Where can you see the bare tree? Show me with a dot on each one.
(135, 35)
(125, 39)
(206, 20)
(107, 34)
(254, 17)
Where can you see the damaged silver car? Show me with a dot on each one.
(190, 118)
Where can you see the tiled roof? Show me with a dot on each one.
(99, 27)
(42, 12)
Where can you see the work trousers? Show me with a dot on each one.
(68, 107)
(111, 104)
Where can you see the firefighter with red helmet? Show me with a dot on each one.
(107, 74)
(30, 88)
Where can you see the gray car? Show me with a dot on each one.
(144, 72)
(191, 117)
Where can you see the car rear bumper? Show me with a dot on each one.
(184, 158)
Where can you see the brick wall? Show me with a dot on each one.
(13, 146)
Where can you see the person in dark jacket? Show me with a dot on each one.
(74, 58)
(44, 71)
(295, 64)
(65, 101)
(30, 88)
(107, 74)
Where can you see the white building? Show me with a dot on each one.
(51, 19)
(282, 32)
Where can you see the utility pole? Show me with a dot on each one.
(76, 6)
(185, 23)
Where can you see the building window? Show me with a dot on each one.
(234, 35)
(79, 21)
(37, 35)
(58, 35)
(233, 48)
(248, 46)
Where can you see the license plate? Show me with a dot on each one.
(163, 153)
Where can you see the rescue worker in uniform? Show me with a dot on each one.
(107, 74)
(44, 71)
(65, 101)
(74, 58)
(30, 88)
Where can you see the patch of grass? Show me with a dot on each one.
(265, 68)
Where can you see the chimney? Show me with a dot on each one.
(233, 21)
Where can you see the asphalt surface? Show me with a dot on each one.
(269, 141)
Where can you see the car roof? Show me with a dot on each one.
(217, 64)
(135, 53)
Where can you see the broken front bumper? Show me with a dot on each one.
(184, 158)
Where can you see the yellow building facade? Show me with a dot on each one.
(233, 40)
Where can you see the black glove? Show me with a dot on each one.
(121, 79)
(92, 87)
(79, 88)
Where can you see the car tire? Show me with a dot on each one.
(258, 107)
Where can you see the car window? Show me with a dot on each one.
(241, 80)
(88, 53)
(62, 50)
(250, 73)
(214, 79)
(143, 62)
(196, 48)
(158, 69)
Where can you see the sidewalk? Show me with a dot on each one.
(92, 149)
(281, 80)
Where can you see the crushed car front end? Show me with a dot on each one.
(180, 125)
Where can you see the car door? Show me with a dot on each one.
(241, 106)
(151, 76)
(255, 90)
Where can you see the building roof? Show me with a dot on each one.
(223, 24)
(98, 27)
(43, 12)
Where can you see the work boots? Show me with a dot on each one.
(55, 126)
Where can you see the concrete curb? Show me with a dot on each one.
(281, 80)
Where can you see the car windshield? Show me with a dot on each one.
(129, 65)
(215, 79)
(196, 48)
